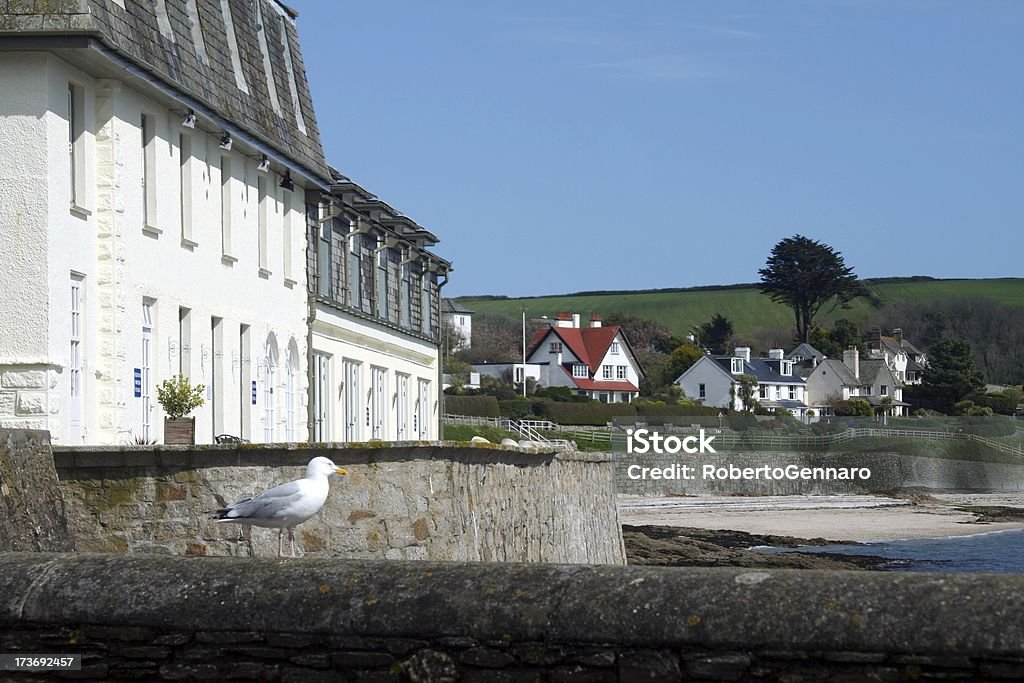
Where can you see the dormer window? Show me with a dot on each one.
(787, 368)
(737, 366)
(580, 370)
(555, 347)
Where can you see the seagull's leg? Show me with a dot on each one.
(280, 542)
(291, 537)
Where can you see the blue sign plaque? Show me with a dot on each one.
(138, 382)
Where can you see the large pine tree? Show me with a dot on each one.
(807, 275)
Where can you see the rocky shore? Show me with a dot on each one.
(669, 546)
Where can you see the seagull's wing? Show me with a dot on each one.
(271, 504)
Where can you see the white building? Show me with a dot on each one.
(153, 220)
(595, 361)
(715, 381)
(375, 314)
(459, 320)
(871, 380)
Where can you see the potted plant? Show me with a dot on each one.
(178, 398)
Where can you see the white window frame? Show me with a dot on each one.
(702, 391)
(378, 402)
(75, 362)
(555, 347)
(291, 365)
(614, 349)
(606, 371)
(620, 372)
(402, 406)
(147, 369)
(147, 130)
(737, 366)
(269, 404)
(580, 370)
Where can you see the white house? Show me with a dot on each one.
(160, 172)
(593, 361)
(460, 321)
(375, 313)
(715, 381)
(908, 362)
(872, 380)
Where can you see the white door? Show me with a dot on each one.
(75, 363)
(269, 377)
(402, 408)
(378, 402)
(423, 410)
(147, 371)
(353, 409)
(321, 397)
(289, 398)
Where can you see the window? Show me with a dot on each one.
(519, 374)
(269, 378)
(883, 390)
(380, 288)
(147, 369)
(765, 391)
(75, 364)
(792, 393)
(185, 175)
(580, 370)
(76, 148)
(402, 407)
(323, 260)
(702, 391)
(787, 368)
(555, 347)
(378, 402)
(286, 234)
(737, 366)
(620, 372)
(606, 371)
(184, 341)
(225, 207)
(261, 222)
(149, 217)
(615, 348)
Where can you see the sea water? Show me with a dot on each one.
(999, 551)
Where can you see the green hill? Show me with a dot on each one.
(749, 310)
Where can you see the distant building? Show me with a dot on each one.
(872, 380)
(460, 321)
(714, 381)
(906, 360)
(594, 361)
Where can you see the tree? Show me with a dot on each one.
(680, 360)
(747, 389)
(952, 374)
(643, 334)
(715, 334)
(807, 275)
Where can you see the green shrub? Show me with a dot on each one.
(475, 406)
(178, 397)
(596, 414)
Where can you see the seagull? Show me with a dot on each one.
(285, 506)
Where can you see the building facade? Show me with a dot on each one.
(160, 164)
(715, 381)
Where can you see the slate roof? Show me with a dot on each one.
(839, 369)
(807, 352)
(760, 368)
(453, 306)
(198, 64)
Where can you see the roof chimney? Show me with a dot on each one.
(876, 338)
(595, 320)
(576, 320)
(742, 352)
(898, 333)
(851, 359)
(563, 320)
(776, 354)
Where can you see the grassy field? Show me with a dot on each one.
(748, 309)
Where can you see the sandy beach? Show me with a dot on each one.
(861, 518)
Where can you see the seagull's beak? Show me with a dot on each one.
(341, 470)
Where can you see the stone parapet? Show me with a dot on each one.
(417, 500)
(163, 618)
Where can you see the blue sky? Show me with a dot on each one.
(565, 146)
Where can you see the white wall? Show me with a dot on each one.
(44, 240)
(717, 384)
(345, 337)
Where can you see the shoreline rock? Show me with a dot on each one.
(668, 546)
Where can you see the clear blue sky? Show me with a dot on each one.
(562, 146)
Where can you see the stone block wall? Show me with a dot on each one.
(174, 618)
(26, 401)
(32, 510)
(889, 472)
(418, 501)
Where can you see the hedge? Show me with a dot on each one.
(659, 409)
(476, 406)
(596, 414)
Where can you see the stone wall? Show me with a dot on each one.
(437, 501)
(171, 618)
(32, 512)
(889, 472)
